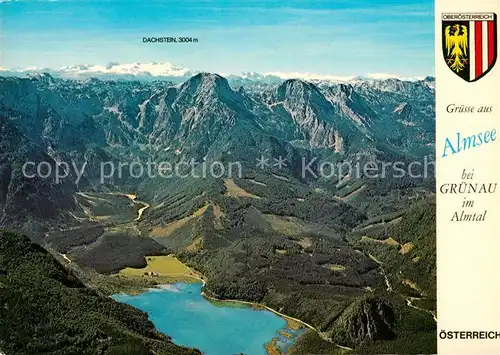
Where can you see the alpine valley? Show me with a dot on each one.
(352, 256)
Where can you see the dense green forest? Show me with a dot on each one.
(44, 308)
(338, 285)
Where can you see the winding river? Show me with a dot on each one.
(141, 210)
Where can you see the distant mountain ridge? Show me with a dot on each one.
(171, 72)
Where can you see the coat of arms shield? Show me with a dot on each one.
(470, 43)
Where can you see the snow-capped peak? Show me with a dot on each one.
(169, 71)
(384, 76)
(153, 69)
(112, 70)
(310, 76)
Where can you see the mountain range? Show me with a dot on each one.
(351, 254)
(169, 71)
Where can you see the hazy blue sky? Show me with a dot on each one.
(338, 37)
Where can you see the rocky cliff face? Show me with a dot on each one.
(25, 201)
(366, 319)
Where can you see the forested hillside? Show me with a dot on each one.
(46, 309)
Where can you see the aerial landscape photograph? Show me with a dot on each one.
(217, 177)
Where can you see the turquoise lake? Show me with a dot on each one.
(180, 311)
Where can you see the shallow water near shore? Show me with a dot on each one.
(180, 311)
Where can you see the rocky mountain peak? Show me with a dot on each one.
(300, 91)
(205, 87)
(206, 82)
(294, 87)
(45, 78)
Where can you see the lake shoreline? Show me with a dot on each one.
(287, 318)
(256, 305)
(195, 277)
(162, 301)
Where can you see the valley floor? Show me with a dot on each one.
(163, 269)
